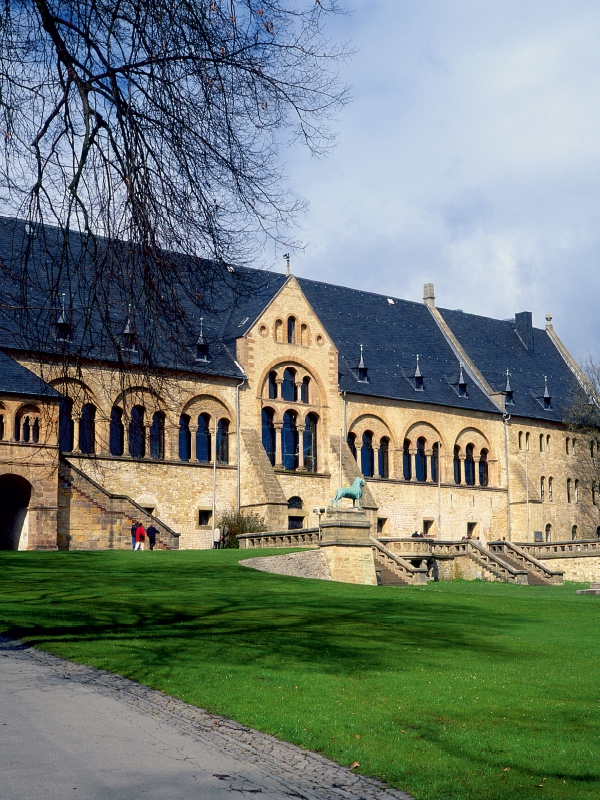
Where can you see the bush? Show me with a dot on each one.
(240, 522)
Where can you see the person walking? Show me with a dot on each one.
(140, 537)
(151, 531)
(225, 536)
(216, 538)
(134, 528)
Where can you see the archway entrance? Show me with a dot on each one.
(15, 494)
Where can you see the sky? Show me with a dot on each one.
(469, 157)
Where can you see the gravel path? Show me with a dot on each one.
(68, 730)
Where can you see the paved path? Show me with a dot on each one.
(72, 731)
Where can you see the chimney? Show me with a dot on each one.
(524, 327)
(429, 295)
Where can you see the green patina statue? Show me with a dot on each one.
(354, 492)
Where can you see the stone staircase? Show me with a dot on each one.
(265, 485)
(538, 574)
(92, 518)
(393, 570)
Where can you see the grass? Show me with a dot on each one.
(456, 690)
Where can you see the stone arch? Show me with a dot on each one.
(420, 429)
(77, 390)
(140, 395)
(475, 437)
(16, 493)
(374, 423)
(302, 368)
(209, 403)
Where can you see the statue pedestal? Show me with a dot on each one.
(346, 545)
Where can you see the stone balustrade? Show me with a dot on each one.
(305, 537)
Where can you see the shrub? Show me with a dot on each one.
(240, 522)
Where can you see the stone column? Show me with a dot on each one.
(429, 462)
(193, 432)
(76, 425)
(412, 453)
(146, 441)
(278, 444)
(376, 462)
(463, 461)
(299, 391)
(301, 467)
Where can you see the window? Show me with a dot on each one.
(520, 440)
(272, 386)
(574, 532)
(548, 443)
(592, 449)
(550, 487)
(204, 439)
(289, 390)
(435, 462)
(304, 393)
(26, 430)
(541, 442)
(576, 493)
(223, 441)
(1, 427)
(303, 335)
(381, 524)
(548, 532)
(295, 523)
(542, 489)
(406, 461)
(483, 468)
(290, 440)
(117, 432)
(157, 436)
(384, 457)
(65, 426)
(87, 432)
(598, 532)
(295, 502)
(268, 434)
(352, 444)
(204, 517)
(456, 465)
(568, 490)
(291, 330)
(35, 431)
(278, 330)
(367, 460)
(470, 466)
(309, 443)
(137, 433)
(594, 495)
(185, 439)
(421, 461)
(527, 437)
(567, 445)
(427, 527)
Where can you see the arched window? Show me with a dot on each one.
(483, 468)
(456, 464)
(594, 495)
(592, 449)
(272, 385)
(223, 441)
(278, 330)
(117, 432)
(574, 532)
(304, 392)
(543, 488)
(2, 431)
(157, 436)
(309, 443)
(289, 390)
(550, 489)
(295, 503)
(384, 457)
(421, 461)
(527, 437)
(290, 440)
(406, 461)
(576, 493)
(567, 445)
(470, 466)
(137, 433)
(65, 425)
(35, 431)
(568, 490)
(520, 440)
(548, 532)
(598, 532)
(87, 429)
(352, 444)
(303, 334)
(26, 429)
(367, 460)
(435, 462)
(574, 447)
(548, 443)
(268, 434)
(291, 330)
(185, 438)
(204, 439)
(541, 442)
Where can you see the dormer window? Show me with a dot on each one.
(129, 334)
(64, 329)
(202, 345)
(547, 395)
(362, 371)
(462, 384)
(418, 378)
(508, 392)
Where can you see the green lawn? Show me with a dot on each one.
(454, 690)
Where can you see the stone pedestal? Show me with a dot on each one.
(346, 545)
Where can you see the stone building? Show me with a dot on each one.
(454, 420)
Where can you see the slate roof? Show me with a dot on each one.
(495, 346)
(17, 380)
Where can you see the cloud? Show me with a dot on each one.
(470, 157)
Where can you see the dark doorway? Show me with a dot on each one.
(15, 493)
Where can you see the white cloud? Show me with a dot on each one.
(470, 157)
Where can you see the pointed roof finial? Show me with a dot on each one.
(287, 264)
(418, 370)
(201, 337)
(546, 392)
(508, 387)
(361, 363)
(461, 377)
(62, 320)
(128, 329)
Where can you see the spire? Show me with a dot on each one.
(418, 371)
(547, 395)
(201, 344)
(508, 389)
(287, 264)
(64, 332)
(462, 383)
(418, 376)
(362, 369)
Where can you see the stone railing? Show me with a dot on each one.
(304, 537)
(398, 565)
(484, 557)
(526, 561)
(565, 549)
(407, 547)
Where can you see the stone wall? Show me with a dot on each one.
(351, 564)
(308, 564)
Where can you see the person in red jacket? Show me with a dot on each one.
(140, 537)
